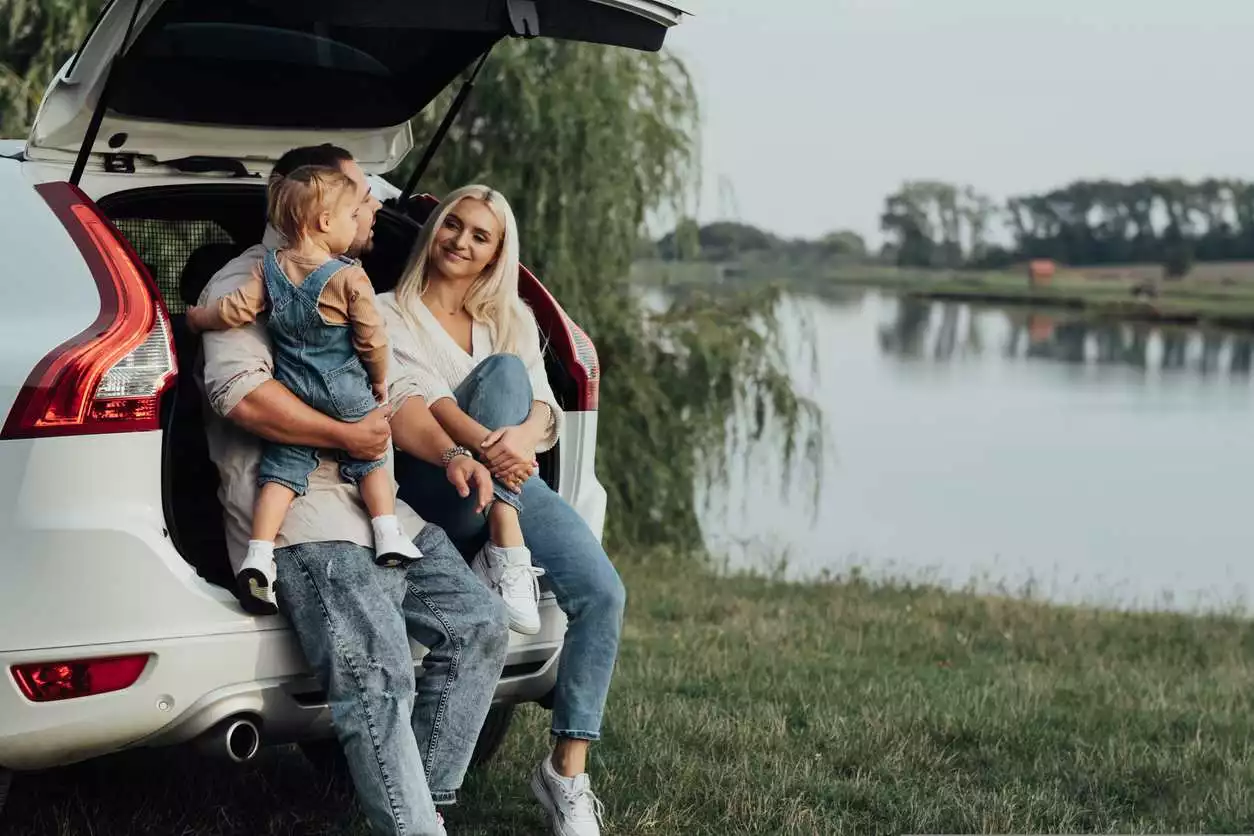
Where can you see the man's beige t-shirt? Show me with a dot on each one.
(235, 363)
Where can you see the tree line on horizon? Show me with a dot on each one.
(933, 224)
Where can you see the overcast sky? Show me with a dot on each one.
(815, 109)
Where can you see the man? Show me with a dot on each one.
(407, 745)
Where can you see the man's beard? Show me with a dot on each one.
(357, 250)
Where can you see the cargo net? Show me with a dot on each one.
(164, 246)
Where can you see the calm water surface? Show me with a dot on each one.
(1011, 450)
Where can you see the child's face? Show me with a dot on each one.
(339, 225)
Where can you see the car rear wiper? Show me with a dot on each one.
(201, 164)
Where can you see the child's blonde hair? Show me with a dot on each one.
(294, 202)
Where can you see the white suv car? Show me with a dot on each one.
(143, 174)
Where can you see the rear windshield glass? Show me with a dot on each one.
(332, 63)
(270, 64)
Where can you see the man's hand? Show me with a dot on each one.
(370, 438)
(465, 474)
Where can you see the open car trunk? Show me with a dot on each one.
(182, 83)
(184, 234)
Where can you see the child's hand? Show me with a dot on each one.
(380, 392)
(193, 319)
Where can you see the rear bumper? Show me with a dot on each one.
(193, 684)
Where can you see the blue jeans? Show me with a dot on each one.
(587, 587)
(408, 744)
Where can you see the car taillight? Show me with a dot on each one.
(110, 377)
(51, 681)
(573, 347)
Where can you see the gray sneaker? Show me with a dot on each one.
(569, 805)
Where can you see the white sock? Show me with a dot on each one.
(384, 525)
(260, 557)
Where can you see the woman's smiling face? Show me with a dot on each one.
(467, 241)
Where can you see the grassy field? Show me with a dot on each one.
(745, 705)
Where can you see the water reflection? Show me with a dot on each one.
(1014, 450)
(919, 329)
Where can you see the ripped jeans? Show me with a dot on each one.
(408, 744)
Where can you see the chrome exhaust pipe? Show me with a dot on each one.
(238, 738)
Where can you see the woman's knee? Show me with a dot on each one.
(504, 366)
(500, 393)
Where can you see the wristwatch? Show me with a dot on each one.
(451, 453)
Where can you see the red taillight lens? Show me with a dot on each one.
(574, 348)
(110, 377)
(51, 681)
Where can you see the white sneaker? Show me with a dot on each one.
(509, 572)
(391, 547)
(569, 805)
(255, 581)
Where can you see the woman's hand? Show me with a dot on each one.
(514, 478)
(380, 391)
(510, 453)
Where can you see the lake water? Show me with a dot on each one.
(1010, 451)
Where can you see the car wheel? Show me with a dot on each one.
(495, 727)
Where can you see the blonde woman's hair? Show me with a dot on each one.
(493, 297)
(295, 201)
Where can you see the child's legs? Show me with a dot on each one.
(284, 475)
(376, 492)
(273, 501)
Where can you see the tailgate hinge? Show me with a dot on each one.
(97, 115)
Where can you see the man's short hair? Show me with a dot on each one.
(325, 155)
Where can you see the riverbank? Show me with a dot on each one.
(744, 705)
(1210, 300)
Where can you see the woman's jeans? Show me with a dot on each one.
(587, 587)
(407, 743)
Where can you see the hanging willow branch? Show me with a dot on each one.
(587, 142)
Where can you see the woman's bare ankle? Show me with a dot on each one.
(504, 529)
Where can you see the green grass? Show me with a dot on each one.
(745, 705)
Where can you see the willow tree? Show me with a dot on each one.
(586, 142)
(36, 36)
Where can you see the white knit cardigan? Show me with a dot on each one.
(432, 359)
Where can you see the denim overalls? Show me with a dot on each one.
(318, 363)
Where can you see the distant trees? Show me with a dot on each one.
(1169, 222)
(929, 223)
(724, 241)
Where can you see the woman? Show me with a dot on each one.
(458, 325)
